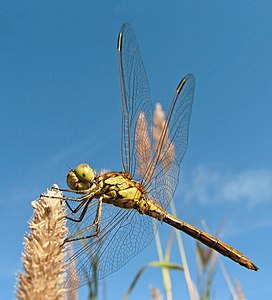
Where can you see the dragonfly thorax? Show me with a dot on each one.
(80, 178)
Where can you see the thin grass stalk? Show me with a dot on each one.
(239, 290)
(159, 122)
(143, 145)
(228, 281)
(207, 293)
(169, 247)
(165, 273)
(199, 263)
(190, 285)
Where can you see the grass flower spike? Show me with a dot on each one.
(44, 252)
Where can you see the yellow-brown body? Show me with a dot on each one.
(120, 190)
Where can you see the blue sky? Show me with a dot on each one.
(60, 105)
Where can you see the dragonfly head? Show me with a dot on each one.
(80, 178)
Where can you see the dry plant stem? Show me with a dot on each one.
(159, 122)
(228, 281)
(165, 272)
(44, 252)
(190, 285)
(239, 290)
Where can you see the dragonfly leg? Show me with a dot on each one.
(82, 199)
(75, 210)
(87, 203)
(74, 191)
(79, 199)
(87, 194)
(95, 224)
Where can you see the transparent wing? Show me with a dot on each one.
(136, 105)
(124, 233)
(162, 175)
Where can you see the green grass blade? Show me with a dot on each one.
(155, 264)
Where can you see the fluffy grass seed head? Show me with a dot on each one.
(44, 250)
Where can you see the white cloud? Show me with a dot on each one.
(212, 186)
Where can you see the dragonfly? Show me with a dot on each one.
(112, 215)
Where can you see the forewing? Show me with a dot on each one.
(124, 233)
(136, 106)
(162, 175)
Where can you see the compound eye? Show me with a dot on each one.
(84, 173)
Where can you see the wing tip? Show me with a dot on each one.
(120, 41)
(186, 78)
(124, 27)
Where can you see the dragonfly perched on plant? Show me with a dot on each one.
(112, 219)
